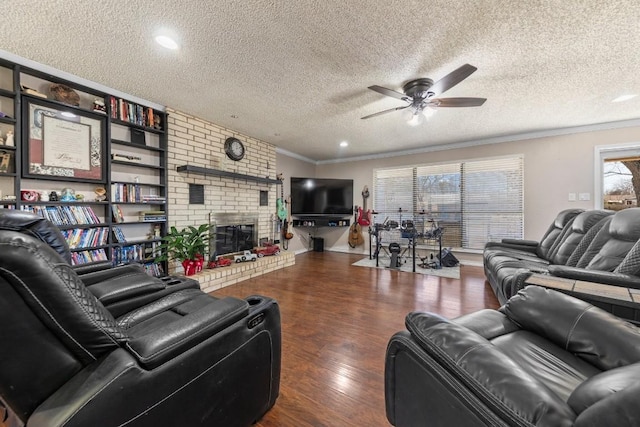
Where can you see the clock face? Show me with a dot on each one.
(234, 148)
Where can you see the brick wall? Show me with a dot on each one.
(193, 141)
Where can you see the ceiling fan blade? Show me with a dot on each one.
(391, 93)
(379, 113)
(457, 102)
(452, 79)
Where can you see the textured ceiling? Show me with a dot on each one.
(295, 73)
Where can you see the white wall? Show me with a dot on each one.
(554, 166)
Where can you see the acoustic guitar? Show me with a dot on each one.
(355, 232)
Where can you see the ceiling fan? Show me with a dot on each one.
(420, 95)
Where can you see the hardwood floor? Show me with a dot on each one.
(336, 322)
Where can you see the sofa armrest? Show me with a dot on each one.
(490, 374)
(90, 277)
(165, 343)
(523, 245)
(81, 269)
(604, 277)
(126, 285)
(487, 323)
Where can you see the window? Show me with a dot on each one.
(475, 201)
(615, 167)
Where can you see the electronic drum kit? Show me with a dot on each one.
(407, 229)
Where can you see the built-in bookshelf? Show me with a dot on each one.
(107, 192)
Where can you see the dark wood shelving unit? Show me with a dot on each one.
(233, 175)
(154, 168)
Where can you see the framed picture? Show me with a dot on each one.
(6, 161)
(62, 143)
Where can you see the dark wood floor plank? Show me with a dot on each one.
(336, 322)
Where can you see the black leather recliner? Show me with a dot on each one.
(120, 288)
(186, 358)
(543, 359)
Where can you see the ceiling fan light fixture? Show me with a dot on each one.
(416, 119)
(428, 112)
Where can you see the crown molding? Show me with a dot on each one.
(494, 140)
(295, 156)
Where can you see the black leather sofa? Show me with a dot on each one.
(544, 359)
(593, 245)
(172, 357)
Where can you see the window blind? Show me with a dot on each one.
(474, 201)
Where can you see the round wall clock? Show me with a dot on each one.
(234, 148)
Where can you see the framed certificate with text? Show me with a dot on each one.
(62, 143)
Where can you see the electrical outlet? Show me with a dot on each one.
(584, 196)
(572, 197)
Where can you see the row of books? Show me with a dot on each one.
(86, 237)
(126, 193)
(84, 257)
(152, 216)
(153, 269)
(65, 214)
(127, 254)
(133, 113)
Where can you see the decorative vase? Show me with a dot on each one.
(189, 267)
(199, 261)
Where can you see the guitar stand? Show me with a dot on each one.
(394, 249)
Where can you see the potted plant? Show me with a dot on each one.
(188, 246)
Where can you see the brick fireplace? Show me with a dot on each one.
(238, 204)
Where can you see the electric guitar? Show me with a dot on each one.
(364, 214)
(281, 209)
(355, 232)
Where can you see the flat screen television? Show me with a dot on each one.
(321, 197)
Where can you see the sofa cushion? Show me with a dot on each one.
(603, 385)
(572, 323)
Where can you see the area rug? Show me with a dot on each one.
(449, 272)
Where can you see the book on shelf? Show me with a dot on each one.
(152, 216)
(153, 269)
(118, 216)
(119, 235)
(84, 257)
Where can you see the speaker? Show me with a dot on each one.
(447, 259)
(318, 244)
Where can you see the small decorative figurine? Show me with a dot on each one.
(101, 194)
(9, 140)
(68, 195)
(98, 105)
(53, 196)
(44, 196)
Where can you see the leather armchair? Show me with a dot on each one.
(186, 358)
(543, 359)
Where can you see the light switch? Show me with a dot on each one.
(584, 196)
(572, 197)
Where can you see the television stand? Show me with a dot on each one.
(315, 222)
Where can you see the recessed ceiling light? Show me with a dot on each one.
(623, 98)
(344, 144)
(166, 41)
